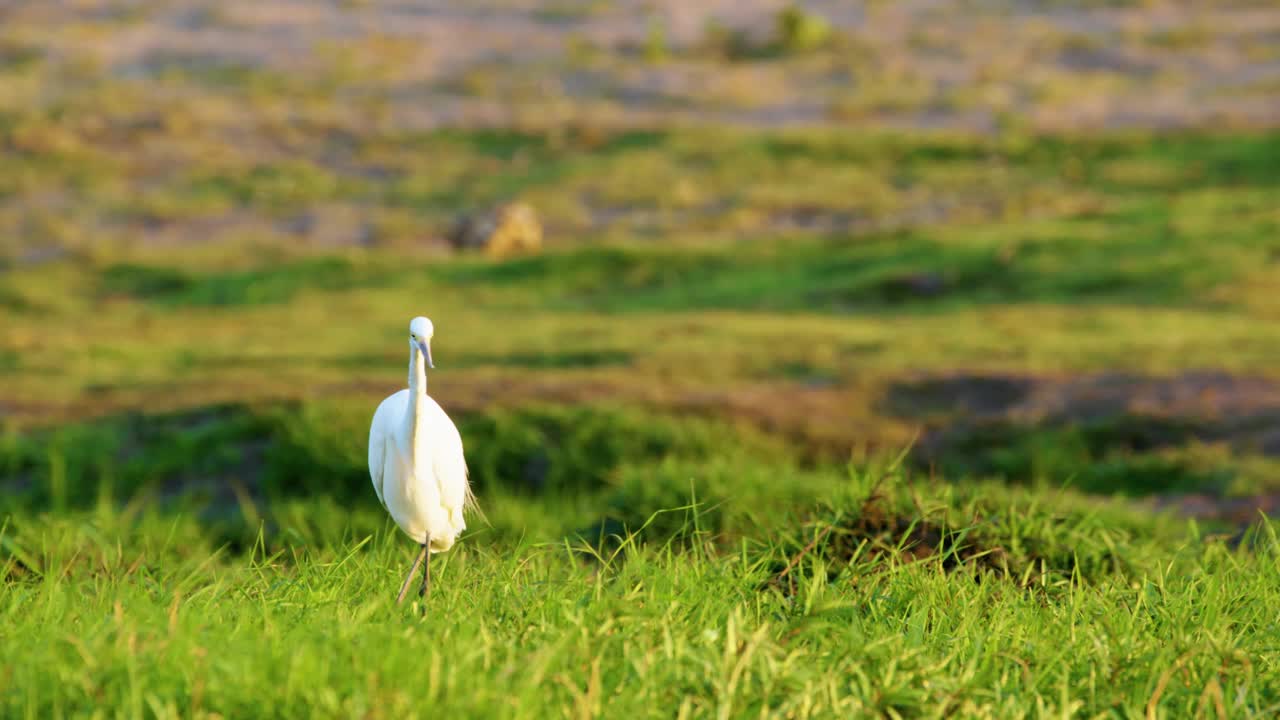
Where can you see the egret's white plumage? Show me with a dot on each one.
(416, 460)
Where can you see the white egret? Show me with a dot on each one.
(416, 462)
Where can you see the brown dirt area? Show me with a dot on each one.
(905, 64)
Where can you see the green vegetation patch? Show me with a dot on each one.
(898, 271)
(176, 288)
(318, 448)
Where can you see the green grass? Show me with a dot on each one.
(249, 287)
(1032, 607)
(659, 414)
(657, 565)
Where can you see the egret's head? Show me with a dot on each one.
(420, 332)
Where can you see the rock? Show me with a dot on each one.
(507, 230)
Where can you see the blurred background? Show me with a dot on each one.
(1029, 240)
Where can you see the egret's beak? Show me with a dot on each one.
(426, 353)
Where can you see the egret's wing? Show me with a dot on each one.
(377, 458)
(450, 469)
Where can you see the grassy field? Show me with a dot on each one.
(801, 595)
(695, 454)
(786, 421)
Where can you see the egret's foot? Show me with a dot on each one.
(412, 571)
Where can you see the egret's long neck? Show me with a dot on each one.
(417, 397)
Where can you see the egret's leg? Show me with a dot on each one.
(412, 571)
(426, 575)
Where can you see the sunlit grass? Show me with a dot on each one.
(143, 613)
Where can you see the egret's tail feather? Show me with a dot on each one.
(469, 504)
